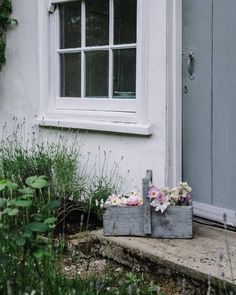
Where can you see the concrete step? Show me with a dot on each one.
(211, 254)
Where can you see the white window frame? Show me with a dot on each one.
(96, 113)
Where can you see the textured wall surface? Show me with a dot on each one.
(19, 92)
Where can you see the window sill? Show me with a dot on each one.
(126, 128)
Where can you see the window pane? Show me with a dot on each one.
(125, 15)
(70, 24)
(97, 74)
(97, 22)
(70, 75)
(124, 73)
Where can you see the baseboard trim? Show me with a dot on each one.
(214, 213)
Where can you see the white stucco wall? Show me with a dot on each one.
(19, 92)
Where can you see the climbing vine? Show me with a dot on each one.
(5, 23)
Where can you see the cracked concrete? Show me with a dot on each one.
(211, 253)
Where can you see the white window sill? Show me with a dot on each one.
(126, 128)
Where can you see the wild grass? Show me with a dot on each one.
(80, 181)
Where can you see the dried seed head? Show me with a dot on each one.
(224, 217)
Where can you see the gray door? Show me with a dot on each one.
(209, 100)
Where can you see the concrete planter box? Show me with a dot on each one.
(175, 222)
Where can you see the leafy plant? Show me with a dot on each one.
(5, 23)
(21, 225)
(81, 183)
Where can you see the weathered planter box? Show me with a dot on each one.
(175, 222)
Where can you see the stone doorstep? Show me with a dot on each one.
(196, 258)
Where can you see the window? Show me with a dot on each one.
(98, 49)
(95, 59)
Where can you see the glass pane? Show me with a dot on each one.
(125, 15)
(97, 74)
(97, 22)
(70, 74)
(70, 24)
(124, 73)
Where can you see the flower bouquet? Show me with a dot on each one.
(161, 199)
(165, 212)
(133, 199)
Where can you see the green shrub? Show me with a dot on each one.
(21, 224)
(5, 24)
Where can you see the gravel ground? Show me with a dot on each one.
(86, 267)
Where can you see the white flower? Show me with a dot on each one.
(183, 189)
(154, 203)
(174, 197)
(102, 204)
(114, 200)
(162, 206)
(97, 203)
(166, 190)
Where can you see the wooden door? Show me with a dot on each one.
(209, 101)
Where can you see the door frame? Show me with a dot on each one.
(174, 114)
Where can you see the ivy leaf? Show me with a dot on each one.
(3, 184)
(2, 202)
(50, 220)
(27, 233)
(13, 212)
(31, 179)
(6, 183)
(20, 241)
(25, 197)
(38, 216)
(36, 182)
(26, 191)
(6, 210)
(11, 185)
(11, 202)
(38, 227)
(23, 203)
(54, 204)
(39, 253)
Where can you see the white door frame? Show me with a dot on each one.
(174, 113)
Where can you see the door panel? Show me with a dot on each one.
(224, 104)
(197, 99)
(209, 101)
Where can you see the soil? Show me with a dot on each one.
(76, 221)
(90, 267)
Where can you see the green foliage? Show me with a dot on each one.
(28, 264)
(21, 225)
(5, 23)
(54, 160)
(72, 178)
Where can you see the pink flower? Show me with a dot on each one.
(162, 198)
(153, 192)
(134, 199)
(161, 202)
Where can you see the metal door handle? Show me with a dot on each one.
(191, 64)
